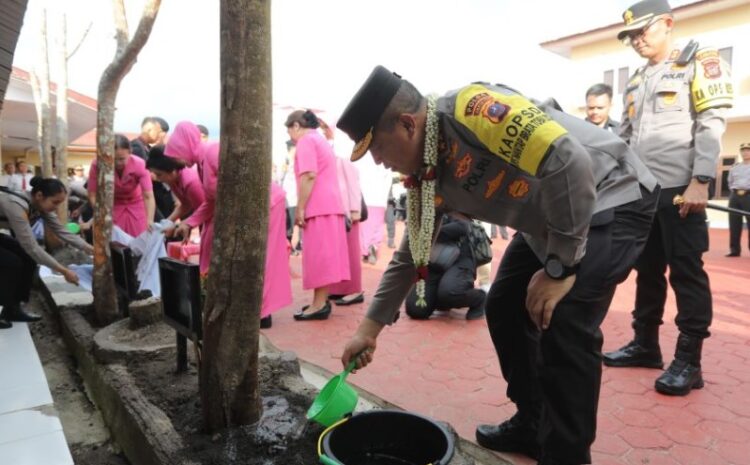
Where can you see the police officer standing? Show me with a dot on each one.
(739, 184)
(673, 118)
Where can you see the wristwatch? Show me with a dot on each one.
(556, 270)
(703, 179)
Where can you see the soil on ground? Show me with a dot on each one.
(87, 435)
(285, 439)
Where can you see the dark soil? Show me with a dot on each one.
(284, 439)
(87, 436)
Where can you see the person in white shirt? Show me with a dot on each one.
(8, 178)
(23, 177)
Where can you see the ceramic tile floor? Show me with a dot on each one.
(30, 431)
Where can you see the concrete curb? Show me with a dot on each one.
(142, 430)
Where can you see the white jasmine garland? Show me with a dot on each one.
(421, 202)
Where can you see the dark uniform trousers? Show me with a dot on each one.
(453, 288)
(554, 375)
(741, 202)
(16, 272)
(679, 243)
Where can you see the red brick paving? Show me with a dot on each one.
(446, 368)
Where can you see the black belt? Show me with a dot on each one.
(741, 192)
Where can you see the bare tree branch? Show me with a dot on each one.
(121, 26)
(80, 41)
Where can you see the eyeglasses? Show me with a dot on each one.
(631, 36)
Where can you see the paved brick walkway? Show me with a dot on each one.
(446, 368)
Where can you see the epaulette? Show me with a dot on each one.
(687, 53)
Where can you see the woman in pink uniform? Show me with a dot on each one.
(320, 212)
(134, 203)
(186, 146)
(182, 181)
(277, 285)
(350, 292)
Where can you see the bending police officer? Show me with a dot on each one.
(489, 153)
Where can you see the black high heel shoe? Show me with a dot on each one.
(321, 314)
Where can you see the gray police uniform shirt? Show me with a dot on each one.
(739, 177)
(14, 214)
(507, 161)
(674, 116)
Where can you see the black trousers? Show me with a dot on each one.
(554, 375)
(452, 289)
(741, 202)
(16, 272)
(678, 243)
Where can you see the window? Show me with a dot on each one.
(726, 54)
(609, 78)
(623, 74)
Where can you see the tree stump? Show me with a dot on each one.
(145, 312)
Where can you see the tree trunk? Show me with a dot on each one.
(44, 112)
(105, 295)
(229, 368)
(61, 158)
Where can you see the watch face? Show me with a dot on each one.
(554, 268)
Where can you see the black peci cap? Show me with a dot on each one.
(364, 110)
(641, 14)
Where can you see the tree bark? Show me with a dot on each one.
(105, 295)
(44, 111)
(61, 153)
(229, 368)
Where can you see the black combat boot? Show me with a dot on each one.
(518, 434)
(684, 373)
(642, 351)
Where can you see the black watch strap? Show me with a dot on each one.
(555, 269)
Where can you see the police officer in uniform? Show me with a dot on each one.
(673, 119)
(583, 203)
(739, 184)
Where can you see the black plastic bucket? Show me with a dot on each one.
(388, 437)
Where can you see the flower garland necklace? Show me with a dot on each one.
(421, 202)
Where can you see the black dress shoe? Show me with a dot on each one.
(634, 355)
(357, 299)
(15, 312)
(513, 435)
(732, 254)
(266, 322)
(321, 314)
(5, 324)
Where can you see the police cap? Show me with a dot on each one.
(641, 14)
(745, 145)
(364, 110)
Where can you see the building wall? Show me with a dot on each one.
(84, 158)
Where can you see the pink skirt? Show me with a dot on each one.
(130, 216)
(354, 284)
(207, 242)
(277, 282)
(372, 230)
(325, 258)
